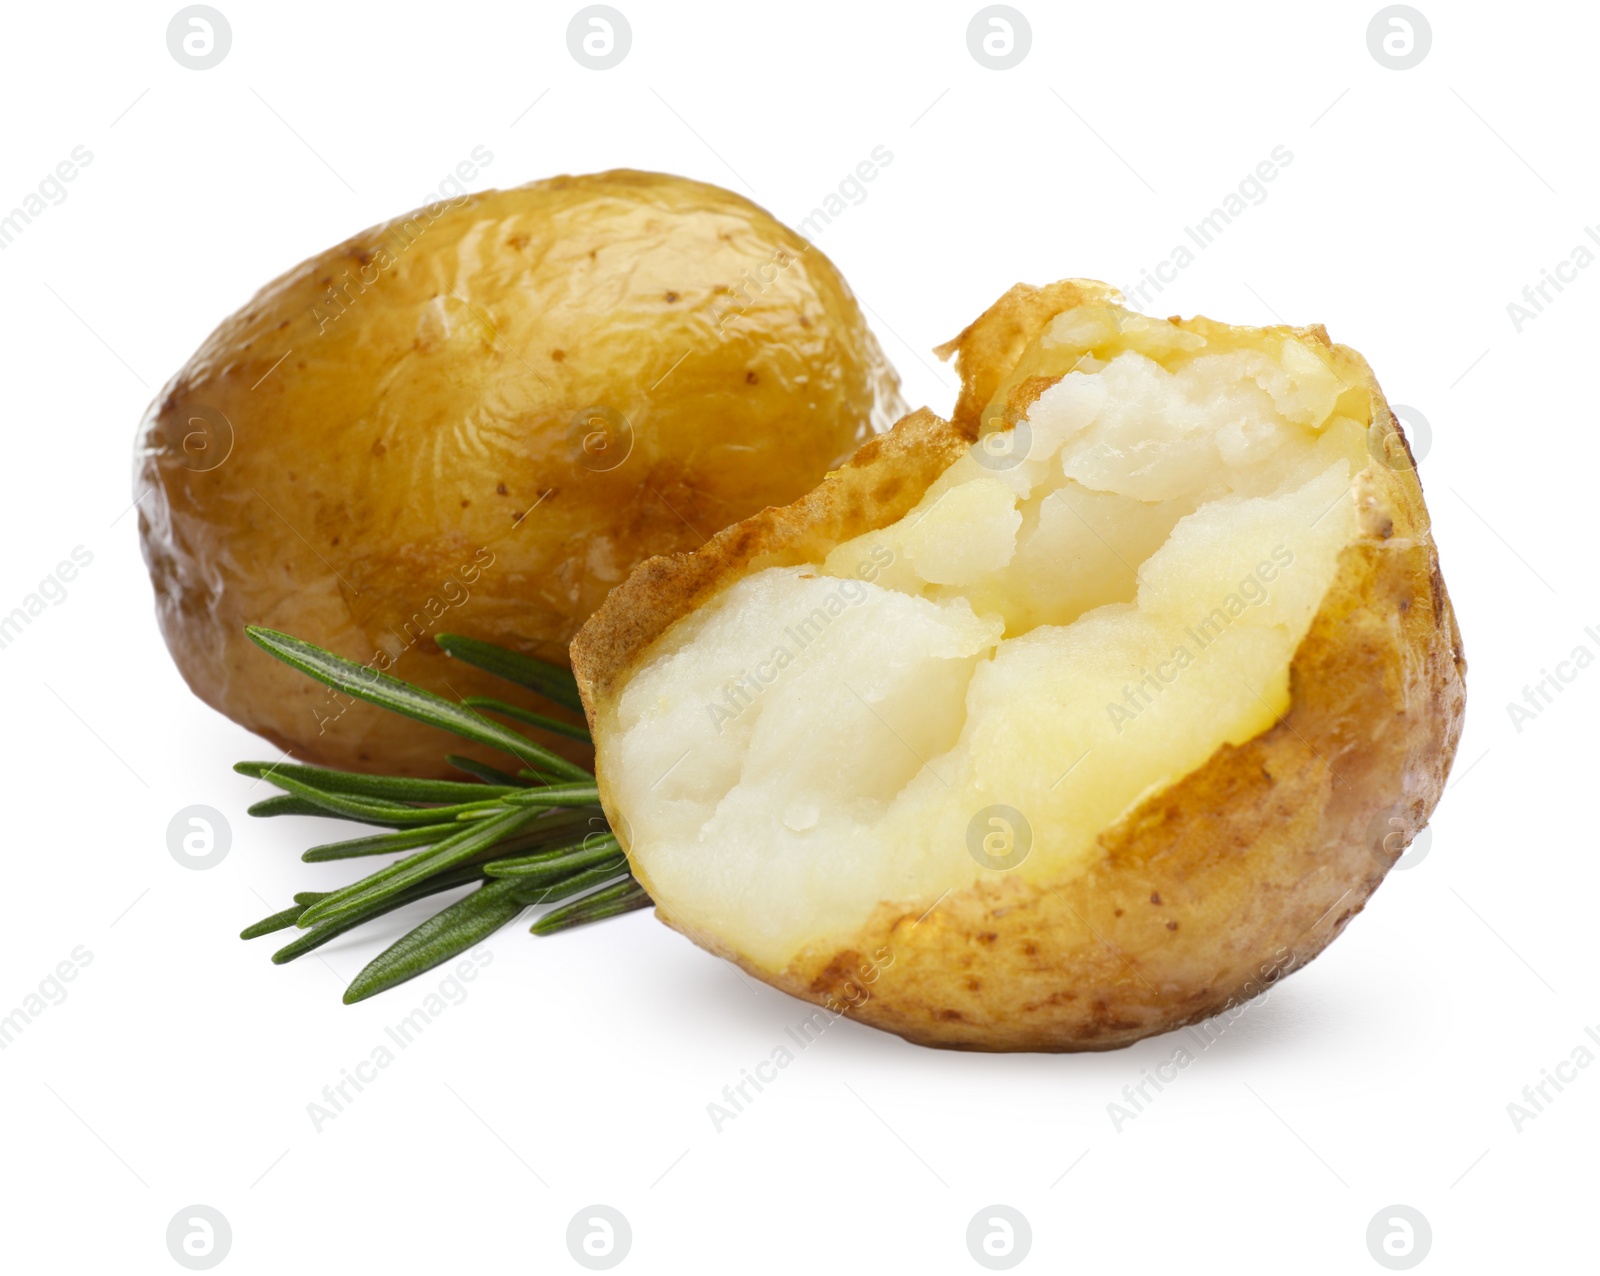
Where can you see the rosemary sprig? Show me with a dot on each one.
(527, 839)
(401, 697)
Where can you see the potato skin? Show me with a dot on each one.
(404, 446)
(1207, 892)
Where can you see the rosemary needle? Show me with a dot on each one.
(612, 901)
(319, 935)
(556, 863)
(516, 713)
(378, 843)
(488, 774)
(529, 838)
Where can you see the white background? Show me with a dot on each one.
(578, 1070)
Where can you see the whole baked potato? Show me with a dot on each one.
(1060, 736)
(476, 419)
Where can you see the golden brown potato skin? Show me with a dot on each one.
(406, 448)
(1208, 892)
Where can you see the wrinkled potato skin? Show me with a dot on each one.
(410, 467)
(1208, 892)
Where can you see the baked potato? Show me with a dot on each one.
(476, 419)
(1072, 720)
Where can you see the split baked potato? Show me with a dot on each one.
(1072, 720)
(476, 419)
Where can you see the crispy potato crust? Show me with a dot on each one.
(1207, 892)
(879, 484)
(988, 348)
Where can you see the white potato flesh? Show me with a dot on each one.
(1062, 635)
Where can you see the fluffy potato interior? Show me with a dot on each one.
(1078, 613)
